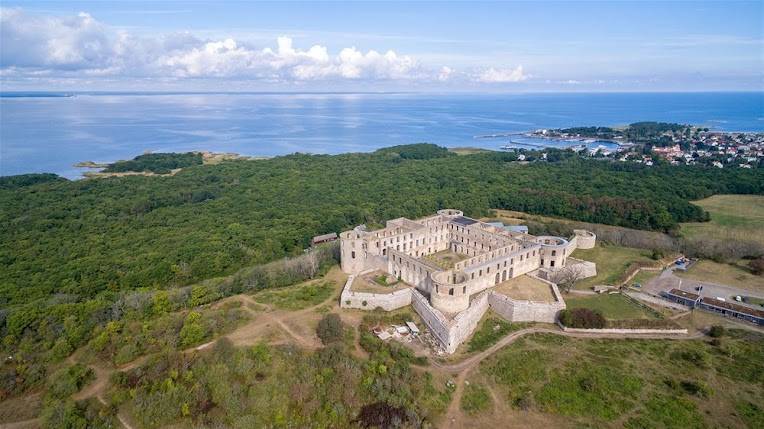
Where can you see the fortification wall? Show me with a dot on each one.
(515, 310)
(465, 322)
(434, 319)
(502, 305)
(585, 269)
(370, 301)
(584, 239)
(450, 333)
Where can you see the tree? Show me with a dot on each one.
(192, 331)
(757, 266)
(566, 277)
(583, 318)
(330, 329)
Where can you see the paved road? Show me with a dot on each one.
(668, 280)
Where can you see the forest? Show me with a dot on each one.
(78, 255)
(158, 163)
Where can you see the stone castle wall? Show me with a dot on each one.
(386, 301)
(515, 310)
(450, 333)
(434, 319)
(465, 322)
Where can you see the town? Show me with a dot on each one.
(652, 143)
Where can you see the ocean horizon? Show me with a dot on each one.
(50, 131)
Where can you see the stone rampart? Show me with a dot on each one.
(434, 319)
(370, 301)
(465, 322)
(623, 331)
(515, 310)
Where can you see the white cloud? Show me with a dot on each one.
(81, 46)
(492, 75)
(445, 73)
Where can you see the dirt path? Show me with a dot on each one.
(248, 334)
(455, 418)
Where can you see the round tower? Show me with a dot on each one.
(450, 292)
(554, 251)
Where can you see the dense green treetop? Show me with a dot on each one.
(159, 163)
(82, 237)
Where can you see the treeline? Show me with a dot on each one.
(158, 163)
(74, 254)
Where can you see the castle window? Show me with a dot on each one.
(473, 276)
(554, 252)
(451, 291)
(352, 254)
(464, 290)
(384, 252)
(551, 263)
(542, 262)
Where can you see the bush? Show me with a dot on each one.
(330, 329)
(476, 399)
(67, 381)
(716, 331)
(757, 266)
(583, 318)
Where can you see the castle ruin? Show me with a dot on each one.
(452, 268)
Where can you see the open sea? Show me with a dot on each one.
(48, 132)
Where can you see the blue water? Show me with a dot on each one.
(50, 134)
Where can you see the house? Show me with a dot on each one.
(326, 238)
(688, 299)
(735, 311)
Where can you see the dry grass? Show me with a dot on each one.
(366, 283)
(526, 288)
(445, 259)
(726, 274)
(733, 217)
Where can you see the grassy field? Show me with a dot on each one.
(735, 275)
(491, 330)
(643, 277)
(612, 262)
(735, 217)
(613, 307)
(632, 383)
(297, 297)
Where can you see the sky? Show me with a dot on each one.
(382, 46)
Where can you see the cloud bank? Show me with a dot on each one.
(39, 46)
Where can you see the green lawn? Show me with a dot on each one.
(612, 262)
(297, 297)
(735, 217)
(634, 383)
(476, 399)
(491, 329)
(643, 277)
(613, 307)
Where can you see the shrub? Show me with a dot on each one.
(192, 332)
(583, 318)
(696, 388)
(716, 331)
(330, 329)
(67, 381)
(757, 266)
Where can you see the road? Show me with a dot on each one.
(667, 280)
